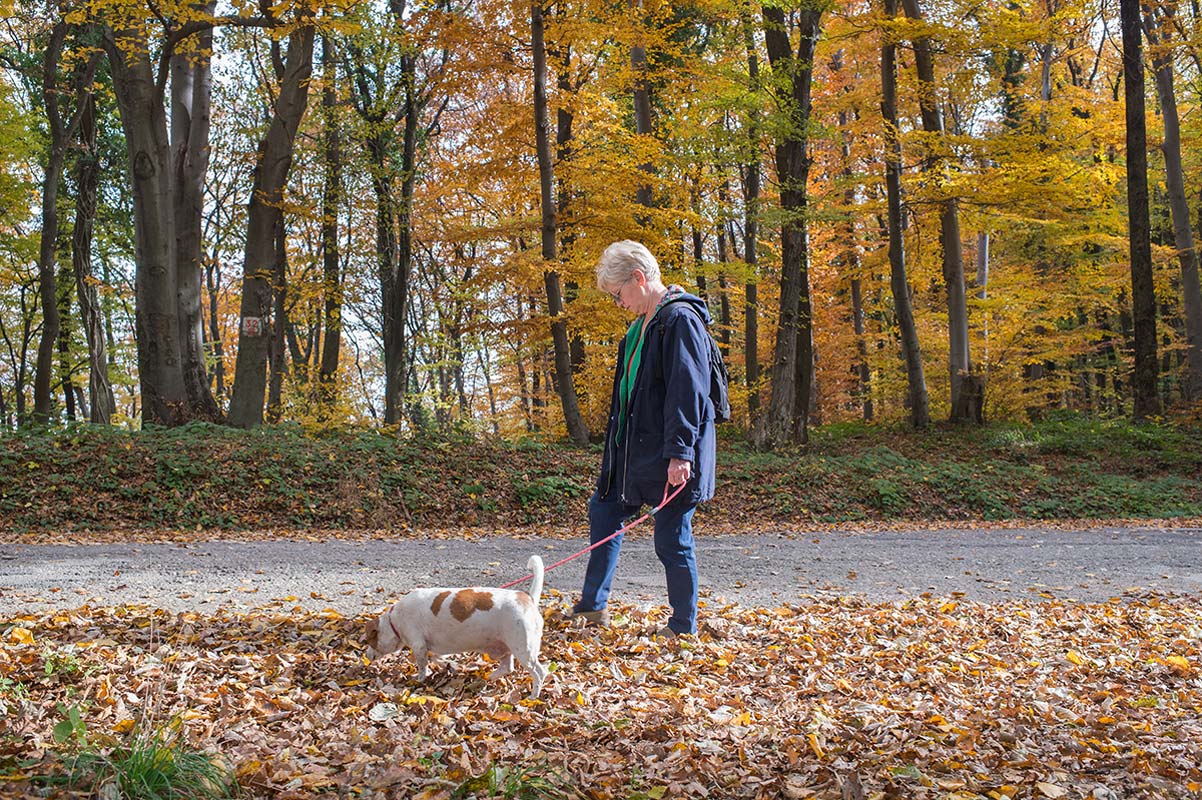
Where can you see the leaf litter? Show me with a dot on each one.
(834, 697)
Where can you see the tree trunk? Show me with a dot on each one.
(642, 103)
(276, 358)
(213, 285)
(1187, 254)
(936, 168)
(404, 270)
(100, 392)
(788, 413)
(47, 284)
(851, 260)
(63, 290)
(1143, 295)
(331, 200)
(916, 399)
(191, 95)
(263, 216)
(564, 382)
(751, 220)
(144, 121)
(563, 155)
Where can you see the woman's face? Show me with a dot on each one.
(629, 293)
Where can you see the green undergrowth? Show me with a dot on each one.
(212, 477)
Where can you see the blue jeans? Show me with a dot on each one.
(673, 545)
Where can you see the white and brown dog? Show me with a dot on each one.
(505, 623)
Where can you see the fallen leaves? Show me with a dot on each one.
(927, 697)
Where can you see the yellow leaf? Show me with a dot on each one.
(815, 745)
(1075, 657)
(656, 792)
(124, 726)
(579, 699)
(422, 699)
(21, 636)
(1179, 663)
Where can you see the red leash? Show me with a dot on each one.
(667, 499)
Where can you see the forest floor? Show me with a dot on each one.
(931, 630)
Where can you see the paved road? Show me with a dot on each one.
(753, 569)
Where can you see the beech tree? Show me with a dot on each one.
(261, 266)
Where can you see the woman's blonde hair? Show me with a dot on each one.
(620, 260)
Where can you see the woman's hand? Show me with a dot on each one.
(679, 471)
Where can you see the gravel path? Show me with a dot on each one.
(751, 569)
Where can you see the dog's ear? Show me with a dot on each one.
(373, 634)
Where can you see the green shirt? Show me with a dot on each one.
(634, 356)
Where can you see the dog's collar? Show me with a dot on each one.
(393, 626)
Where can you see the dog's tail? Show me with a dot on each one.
(535, 565)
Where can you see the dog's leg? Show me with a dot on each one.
(504, 660)
(529, 659)
(422, 660)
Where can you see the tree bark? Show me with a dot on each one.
(100, 393)
(564, 381)
(916, 397)
(61, 132)
(642, 104)
(264, 216)
(191, 99)
(788, 413)
(1143, 295)
(1187, 254)
(751, 220)
(936, 168)
(331, 200)
(144, 121)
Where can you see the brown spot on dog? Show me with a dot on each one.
(437, 604)
(525, 600)
(373, 634)
(467, 601)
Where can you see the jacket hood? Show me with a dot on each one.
(677, 294)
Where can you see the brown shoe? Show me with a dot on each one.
(666, 633)
(598, 618)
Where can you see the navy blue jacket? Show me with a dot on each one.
(670, 414)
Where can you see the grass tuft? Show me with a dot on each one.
(155, 764)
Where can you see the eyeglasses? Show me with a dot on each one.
(617, 296)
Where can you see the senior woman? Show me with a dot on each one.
(660, 432)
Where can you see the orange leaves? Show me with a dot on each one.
(804, 701)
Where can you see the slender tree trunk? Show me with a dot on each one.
(263, 217)
(751, 220)
(331, 201)
(959, 364)
(564, 381)
(1143, 295)
(213, 285)
(642, 102)
(851, 260)
(277, 357)
(392, 315)
(191, 94)
(100, 392)
(792, 380)
(404, 271)
(1187, 254)
(63, 290)
(920, 416)
(144, 121)
(47, 286)
(563, 155)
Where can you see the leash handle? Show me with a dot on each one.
(667, 499)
